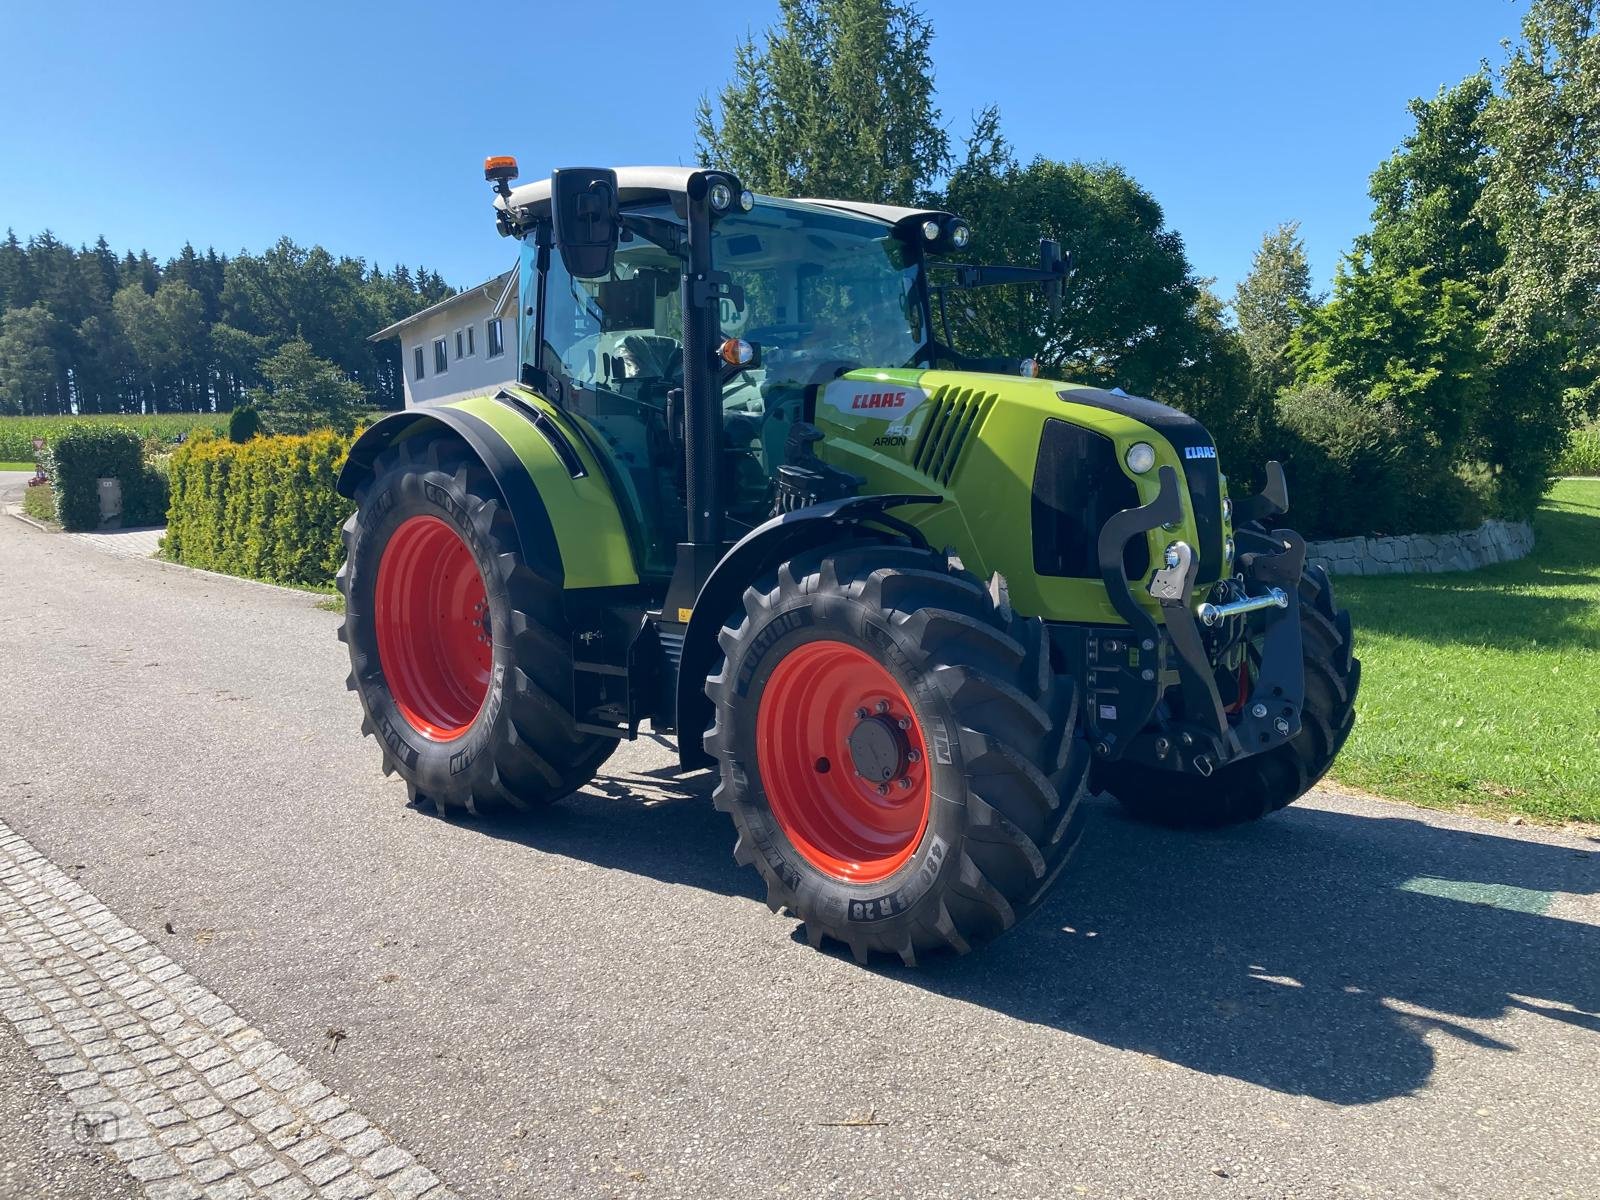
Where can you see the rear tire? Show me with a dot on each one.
(1253, 787)
(470, 712)
(987, 745)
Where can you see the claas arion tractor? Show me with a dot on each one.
(908, 603)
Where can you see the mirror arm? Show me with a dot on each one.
(669, 235)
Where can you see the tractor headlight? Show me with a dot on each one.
(960, 234)
(930, 230)
(721, 196)
(747, 200)
(1227, 549)
(1227, 509)
(1141, 457)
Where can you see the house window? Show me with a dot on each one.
(417, 360)
(441, 357)
(497, 340)
(460, 344)
(472, 348)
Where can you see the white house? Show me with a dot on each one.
(459, 346)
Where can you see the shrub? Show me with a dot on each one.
(244, 424)
(265, 508)
(83, 455)
(1582, 455)
(39, 502)
(1352, 471)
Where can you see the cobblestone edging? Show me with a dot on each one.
(1491, 542)
(189, 1097)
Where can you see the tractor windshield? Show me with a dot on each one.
(820, 289)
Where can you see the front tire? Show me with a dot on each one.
(458, 648)
(899, 759)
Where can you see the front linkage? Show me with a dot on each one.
(1126, 671)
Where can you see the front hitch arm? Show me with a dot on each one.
(1122, 528)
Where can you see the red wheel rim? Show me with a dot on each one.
(828, 712)
(432, 620)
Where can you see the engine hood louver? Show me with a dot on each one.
(955, 413)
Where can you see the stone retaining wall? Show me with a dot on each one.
(1491, 542)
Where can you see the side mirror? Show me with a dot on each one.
(1053, 263)
(583, 205)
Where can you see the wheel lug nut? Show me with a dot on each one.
(883, 789)
(861, 714)
(904, 783)
(914, 755)
(904, 722)
(883, 706)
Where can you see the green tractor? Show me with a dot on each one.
(908, 603)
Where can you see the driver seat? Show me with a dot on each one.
(653, 356)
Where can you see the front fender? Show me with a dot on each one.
(759, 551)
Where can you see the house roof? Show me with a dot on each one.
(497, 290)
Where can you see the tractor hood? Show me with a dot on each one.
(1030, 469)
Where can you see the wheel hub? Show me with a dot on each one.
(878, 749)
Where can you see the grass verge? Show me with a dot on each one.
(40, 502)
(16, 466)
(1480, 689)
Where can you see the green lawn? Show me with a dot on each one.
(1483, 689)
(16, 466)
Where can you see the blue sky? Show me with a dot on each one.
(363, 127)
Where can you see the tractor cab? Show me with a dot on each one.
(795, 295)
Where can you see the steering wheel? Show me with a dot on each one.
(775, 335)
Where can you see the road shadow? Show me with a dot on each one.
(1274, 953)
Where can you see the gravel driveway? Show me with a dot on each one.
(1352, 998)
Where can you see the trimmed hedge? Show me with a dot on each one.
(80, 457)
(265, 508)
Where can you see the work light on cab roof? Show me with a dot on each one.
(754, 488)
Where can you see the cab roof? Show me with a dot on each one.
(644, 183)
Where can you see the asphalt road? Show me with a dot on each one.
(1352, 998)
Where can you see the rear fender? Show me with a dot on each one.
(511, 476)
(568, 523)
(758, 552)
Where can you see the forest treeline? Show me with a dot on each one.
(86, 330)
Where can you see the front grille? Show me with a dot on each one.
(955, 413)
(1077, 487)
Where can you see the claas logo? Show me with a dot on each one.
(878, 400)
